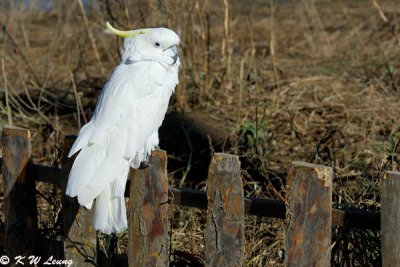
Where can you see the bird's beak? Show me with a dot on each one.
(175, 56)
(125, 33)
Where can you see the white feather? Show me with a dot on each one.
(85, 165)
(82, 139)
(110, 213)
(124, 128)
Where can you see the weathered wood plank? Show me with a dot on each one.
(224, 231)
(309, 215)
(80, 244)
(148, 213)
(390, 219)
(21, 230)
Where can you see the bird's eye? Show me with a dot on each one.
(157, 44)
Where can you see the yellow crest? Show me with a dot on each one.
(125, 33)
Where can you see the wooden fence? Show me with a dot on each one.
(308, 211)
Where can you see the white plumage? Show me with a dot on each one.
(124, 128)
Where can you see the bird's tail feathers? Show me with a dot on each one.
(110, 212)
(111, 171)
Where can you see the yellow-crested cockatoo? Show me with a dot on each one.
(124, 128)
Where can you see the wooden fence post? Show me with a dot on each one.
(19, 193)
(309, 215)
(80, 244)
(148, 213)
(390, 219)
(224, 231)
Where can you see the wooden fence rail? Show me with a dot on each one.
(307, 211)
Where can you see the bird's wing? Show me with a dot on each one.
(131, 108)
(135, 106)
(134, 101)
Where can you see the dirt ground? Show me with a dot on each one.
(314, 81)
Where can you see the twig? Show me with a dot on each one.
(189, 162)
(272, 44)
(240, 89)
(24, 32)
(383, 17)
(77, 100)
(42, 88)
(9, 116)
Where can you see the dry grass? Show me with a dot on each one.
(317, 82)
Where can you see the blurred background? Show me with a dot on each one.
(272, 81)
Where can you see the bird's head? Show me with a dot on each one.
(151, 44)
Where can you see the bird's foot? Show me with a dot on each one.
(143, 165)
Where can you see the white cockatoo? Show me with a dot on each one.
(124, 128)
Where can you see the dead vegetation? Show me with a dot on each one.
(297, 80)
